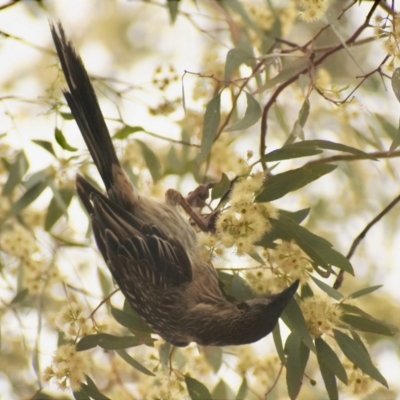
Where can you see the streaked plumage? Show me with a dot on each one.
(149, 247)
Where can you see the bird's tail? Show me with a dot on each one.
(85, 108)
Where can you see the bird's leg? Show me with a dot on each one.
(196, 198)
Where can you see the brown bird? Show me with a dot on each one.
(149, 247)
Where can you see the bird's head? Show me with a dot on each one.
(262, 314)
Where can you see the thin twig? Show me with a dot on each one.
(361, 236)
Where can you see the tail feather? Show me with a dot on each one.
(85, 108)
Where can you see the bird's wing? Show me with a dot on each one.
(137, 250)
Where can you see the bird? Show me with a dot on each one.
(150, 248)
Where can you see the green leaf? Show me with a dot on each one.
(196, 390)
(363, 292)
(330, 382)
(370, 325)
(60, 139)
(67, 116)
(173, 9)
(289, 71)
(107, 342)
(87, 342)
(81, 395)
(330, 291)
(221, 187)
(234, 58)
(306, 291)
(241, 291)
(328, 145)
(297, 216)
(396, 141)
(130, 319)
(152, 162)
(131, 361)
(91, 389)
(396, 83)
(242, 392)
(48, 146)
(58, 206)
(126, 131)
(212, 118)
(251, 115)
(337, 30)
(276, 334)
(317, 248)
(164, 352)
(297, 130)
(297, 357)
(20, 296)
(214, 356)
(222, 391)
(294, 319)
(357, 355)
(25, 200)
(15, 173)
(327, 357)
(280, 184)
(291, 151)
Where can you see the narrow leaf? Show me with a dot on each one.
(130, 319)
(316, 247)
(294, 319)
(330, 382)
(289, 152)
(91, 389)
(107, 341)
(152, 162)
(173, 9)
(251, 115)
(234, 58)
(289, 71)
(20, 296)
(221, 187)
(164, 352)
(396, 141)
(327, 357)
(58, 206)
(212, 118)
(214, 356)
(48, 146)
(330, 291)
(196, 390)
(222, 391)
(241, 291)
(15, 173)
(26, 199)
(126, 131)
(81, 395)
(135, 364)
(280, 184)
(368, 325)
(276, 334)
(364, 291)
(241, 394)
(396, 83)
(60, 139)
(297, 357)
(357, 355)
